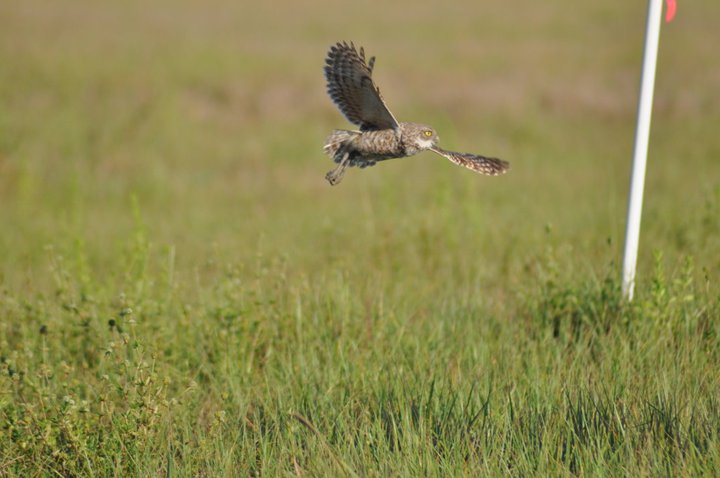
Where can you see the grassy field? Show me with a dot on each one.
(182, 294)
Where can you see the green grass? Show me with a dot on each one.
(181, 293)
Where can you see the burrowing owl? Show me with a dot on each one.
(381, 136)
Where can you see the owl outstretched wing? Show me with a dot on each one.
(479, 164)
(350, 85)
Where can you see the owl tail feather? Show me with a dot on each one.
(338, 142)
(337, 146)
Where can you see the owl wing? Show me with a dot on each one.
(350, 85)
(479, 164)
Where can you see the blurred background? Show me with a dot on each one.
(201, 125)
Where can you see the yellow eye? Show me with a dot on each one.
(427, 133)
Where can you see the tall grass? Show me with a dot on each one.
(255, 379)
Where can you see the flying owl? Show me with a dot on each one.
(381, 136)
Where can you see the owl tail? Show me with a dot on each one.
(338, 146)
(338, 142)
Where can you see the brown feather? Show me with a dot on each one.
(479, 164)
(350, 85)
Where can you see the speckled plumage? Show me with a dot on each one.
(381, 136)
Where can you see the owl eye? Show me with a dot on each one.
(427, 133)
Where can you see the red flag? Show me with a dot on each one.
(671, 9)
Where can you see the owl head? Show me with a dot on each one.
(418, 137)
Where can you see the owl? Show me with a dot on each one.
(381, 136)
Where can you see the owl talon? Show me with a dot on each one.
(336, 175)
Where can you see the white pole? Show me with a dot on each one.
(642, 133)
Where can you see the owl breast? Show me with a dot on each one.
(379, 144)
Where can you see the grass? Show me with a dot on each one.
(181, 294)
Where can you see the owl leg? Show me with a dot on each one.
(336, 175)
